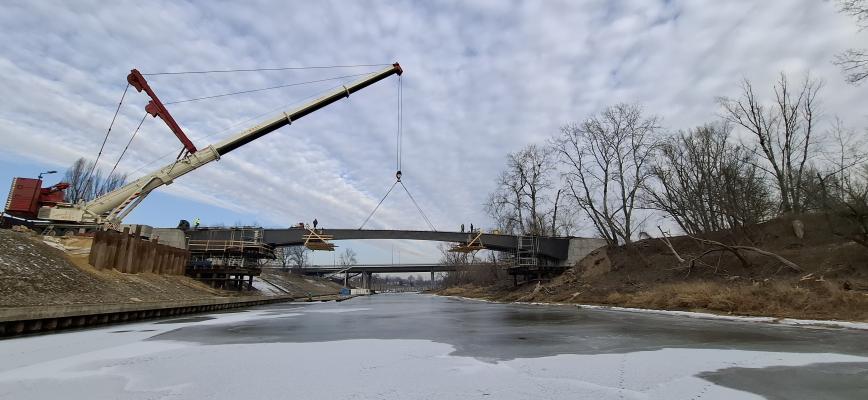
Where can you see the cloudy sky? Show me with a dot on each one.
(482, 78)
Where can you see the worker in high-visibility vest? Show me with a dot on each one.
(196, 223)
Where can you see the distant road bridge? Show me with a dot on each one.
(375, 268)
(367, 270)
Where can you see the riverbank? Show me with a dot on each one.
(37, 271)
(829, 279)
(773, 300)
(689, 314)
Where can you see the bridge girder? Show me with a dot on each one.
(555, 248)
(552, 248)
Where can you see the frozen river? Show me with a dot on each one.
(428, 347)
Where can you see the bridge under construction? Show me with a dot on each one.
(529, 256)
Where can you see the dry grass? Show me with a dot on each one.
(814, 300)
(806, 300)
(833, 283)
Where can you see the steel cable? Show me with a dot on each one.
(263, 69)
(128, 143)
(430, 225)
(378, 205)
(400, 134)
(102, 147)
(267, 88)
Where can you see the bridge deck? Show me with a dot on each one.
(555, 248)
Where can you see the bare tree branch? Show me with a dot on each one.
(606, 161)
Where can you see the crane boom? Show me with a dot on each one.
(112, 207)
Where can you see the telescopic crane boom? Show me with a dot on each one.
(112, 207)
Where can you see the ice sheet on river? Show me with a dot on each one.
(117, 363)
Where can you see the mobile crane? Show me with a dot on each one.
(27, 199)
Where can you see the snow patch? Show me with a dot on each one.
(808, 323)
(364, 368)
(337, 310)
(266, 288)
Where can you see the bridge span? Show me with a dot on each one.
(552, 250)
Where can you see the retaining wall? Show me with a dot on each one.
(36, 319)
(131, 254)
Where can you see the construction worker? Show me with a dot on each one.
(471, 228)
(196, 223)
(315, 223)
(462, 228)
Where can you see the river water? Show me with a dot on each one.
(427, 347)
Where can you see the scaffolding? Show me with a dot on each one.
(229, 262)
(526, 252)
(472, 245)
(318, 241)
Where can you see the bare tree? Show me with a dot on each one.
(85, 185)
(469, 269)
(606, 161)
(295, 256)
(562, 218)
(520, 202)
(348, 258)
(705, 183)
(847, 215)
(783, 131)
(847, 150)
(854, 62)
(283, 258)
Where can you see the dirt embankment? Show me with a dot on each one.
(283, 283)
(32, 272)
(831, 281)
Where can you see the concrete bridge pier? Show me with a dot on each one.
(366, 279)
(581, 247)
(347, 279)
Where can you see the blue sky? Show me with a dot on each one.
(482, 78)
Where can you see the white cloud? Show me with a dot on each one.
(481, 79)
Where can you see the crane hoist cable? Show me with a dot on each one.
(398, 158)
(399, 134)
(102, 147)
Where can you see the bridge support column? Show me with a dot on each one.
(366, 279)
(347, 279)
(432, 280)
